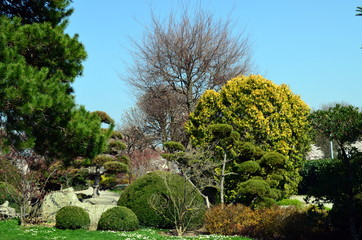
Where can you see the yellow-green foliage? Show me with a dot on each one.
(265, 114)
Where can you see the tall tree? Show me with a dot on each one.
(111, 161)
(37, 11)
(339, 180)
(38, 114)
(188, 54)
(164, 117)
(38, 63)
(263, 113)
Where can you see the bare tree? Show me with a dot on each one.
(135, 131)
(164, 116)
(29, 176)
(189, 54)
(158, 117)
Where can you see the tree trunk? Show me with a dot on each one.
(189, 97)
(208, 205)
(96, 183)
(222, 181)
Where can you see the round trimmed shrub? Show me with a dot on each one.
(9, 193)
(72, 217)
(118, 219)
(138, 195)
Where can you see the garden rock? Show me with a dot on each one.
(6, 211)
(55, 201)
(67, 197)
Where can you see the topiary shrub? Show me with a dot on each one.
(118, 219)
(141, 192)
(72, 217)
(108, 182)
(9, 193)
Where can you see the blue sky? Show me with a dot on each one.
(314, 46)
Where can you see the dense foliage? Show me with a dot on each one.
(259, 178)
(38, 63)
(339, 180)
(53, 11)
(138, 195)
(263, 113)
(72, 217)
(118, 219)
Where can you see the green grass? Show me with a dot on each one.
(9, 230)
(290, 202)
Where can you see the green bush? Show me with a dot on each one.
(118, 219)
(72, 217)
(310, 174)
(137, 197)
(9, 193)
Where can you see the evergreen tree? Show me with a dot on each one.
(263, 113)
(37, 11)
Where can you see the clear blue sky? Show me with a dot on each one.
(314, 46)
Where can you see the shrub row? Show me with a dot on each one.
(114, 219)
(267, 223)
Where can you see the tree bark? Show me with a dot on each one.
(96, 183)
(222, 181)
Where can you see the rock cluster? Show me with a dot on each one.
(67, 197)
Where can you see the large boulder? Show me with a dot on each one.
(55, 201)
(67, 197)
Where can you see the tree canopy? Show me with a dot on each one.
(189, 54)
(339, 180)
(37, 11)
(38, 64)
(263, 113)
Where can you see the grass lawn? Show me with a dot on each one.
(9, 230)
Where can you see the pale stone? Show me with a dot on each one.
(67, 197)
(55, 201)
(6, 211)
(5, 204)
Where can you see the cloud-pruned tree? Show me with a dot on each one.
(263, 113)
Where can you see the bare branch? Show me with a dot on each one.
(189, 54)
